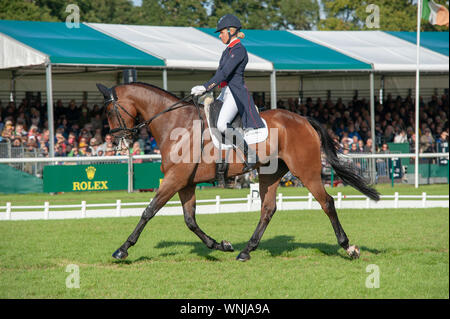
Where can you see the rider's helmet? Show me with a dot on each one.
(228, 21)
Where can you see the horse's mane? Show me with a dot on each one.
(153, 88)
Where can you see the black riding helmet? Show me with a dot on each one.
(228, 21)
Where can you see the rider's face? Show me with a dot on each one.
(224, 36)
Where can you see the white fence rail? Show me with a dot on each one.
(217, 205)
(122, 158)
(158, 157)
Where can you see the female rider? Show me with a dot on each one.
(234, 95)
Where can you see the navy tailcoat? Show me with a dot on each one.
(231, 70)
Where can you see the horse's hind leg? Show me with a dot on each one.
(312, 180)
(267, 190)
(187, 197)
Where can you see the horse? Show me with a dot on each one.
(297, 148)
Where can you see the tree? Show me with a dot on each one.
(299, 14)
(254, 14)
(107, 11)
(268, 14)
(24, 10)
(173, 13)
(399, 15)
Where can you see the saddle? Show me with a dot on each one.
(214, 111)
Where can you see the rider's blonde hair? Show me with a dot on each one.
(240, 34)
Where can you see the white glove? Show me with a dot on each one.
(198, 90)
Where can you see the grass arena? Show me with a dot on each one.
(404, 253)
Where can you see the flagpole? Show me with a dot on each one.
(416, 166)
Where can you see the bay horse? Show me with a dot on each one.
(298, 144)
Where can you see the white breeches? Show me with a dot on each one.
(228, 111)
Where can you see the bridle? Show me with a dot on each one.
(130, 133)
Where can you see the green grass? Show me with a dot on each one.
(298, 257)
(205, 193)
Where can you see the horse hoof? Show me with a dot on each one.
(243, 256)
(353, 252)
(226, 246)
(120, 254)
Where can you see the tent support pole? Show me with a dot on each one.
(416, 166)
(300, 93)
(372, 123)
(12, 94)
(51, 142)
(164, 74)
(273, 90)
(382, 90)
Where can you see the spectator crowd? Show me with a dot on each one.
(81, 130)
(349, 124)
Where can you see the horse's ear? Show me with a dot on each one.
(104, 90)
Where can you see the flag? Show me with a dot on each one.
(434, 13)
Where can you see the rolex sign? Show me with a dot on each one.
(80, 178)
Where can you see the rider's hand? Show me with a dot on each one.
(198, 90)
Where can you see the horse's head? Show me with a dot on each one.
(121, 115)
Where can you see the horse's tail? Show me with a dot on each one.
(345, 170)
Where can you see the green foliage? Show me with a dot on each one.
(269, 14)
(254, 14)
(398, 15)
(299, 14)
(24, 10)
(173, 13)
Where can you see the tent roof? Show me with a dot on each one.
(26, 43)
(179, 47)
(56, 43)
(384, 51)
(436, 41)
(289, 52)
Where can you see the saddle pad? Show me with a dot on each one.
(252, 136)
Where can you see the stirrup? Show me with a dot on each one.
(249, 166)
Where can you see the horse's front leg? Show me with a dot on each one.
(268, 190)
(187, 197)
(169, 186)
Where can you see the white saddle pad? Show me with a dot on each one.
(251, 136)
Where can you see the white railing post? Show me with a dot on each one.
(8, 210)
(424, 199)
(119, 208)
(396, 200)
(249, 202)
(310, 198)
(367, 202)
(83, 209)
(280, 201)
(218, 204)
(46, 210)
(339, 201)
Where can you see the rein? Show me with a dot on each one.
(135, 129)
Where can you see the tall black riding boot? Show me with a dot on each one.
(250, 156)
